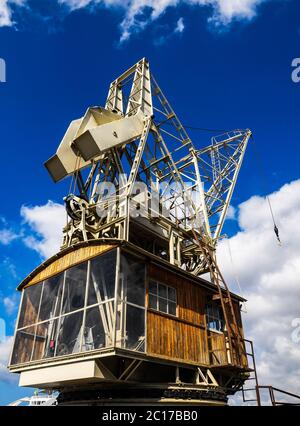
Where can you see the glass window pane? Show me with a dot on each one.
(172, 294)
(135, 329)
(215, 319)
(132, 279)
(153, 287)
(214, 316)
(45, 340)
(172, 308)
(69, 334)
(162, 290)
(23, 345)
(209, 310)
(94, 336)
(162, 305)
(51, 297)
(102, 278)
(74, 290)
(30, 305)
(215, 311)
(152, 301)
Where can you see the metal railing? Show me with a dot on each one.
(276, 403)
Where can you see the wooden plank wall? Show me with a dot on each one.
(23, 345)
(218, 355)
(182, 338)
(172, 339)
(29, 313)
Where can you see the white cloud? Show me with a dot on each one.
(8, 274)
(231, 213)
(7, 236)
(137, 14)
(9, 267)
(80, 4)
(170, 32)
(46, 222)
(5, 350)
(2, 330)
(6, 11)
(180, 26)
(5, 14)
(77, 4)
(140, 13)
(269, 275)
(227, 10)
(223, 12)
(11, 303)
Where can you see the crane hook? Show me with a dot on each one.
(276, 230)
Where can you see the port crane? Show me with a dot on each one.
(140, 189)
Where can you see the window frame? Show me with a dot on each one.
(123, 254)
(166, 299)
(211, 317)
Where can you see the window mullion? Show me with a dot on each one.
(87, 284)
(59, 317)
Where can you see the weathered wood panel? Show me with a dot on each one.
(175, 339)
(69, 259)
(219, 351)
(190, 297)
(29, 313)
(186, 336)
(183, 338)
(217, 347)
(23, 345)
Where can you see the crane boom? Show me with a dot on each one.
(135, 152)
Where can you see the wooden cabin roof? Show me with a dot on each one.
(88, 249)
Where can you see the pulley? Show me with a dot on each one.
(75, 205)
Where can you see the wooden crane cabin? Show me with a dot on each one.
(111, 313)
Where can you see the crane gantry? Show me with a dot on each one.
(135, 151)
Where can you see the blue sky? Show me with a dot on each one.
(220, 65)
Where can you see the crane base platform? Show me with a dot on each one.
(143, 396)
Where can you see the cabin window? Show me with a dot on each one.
(131, 316)
(45, 340)
(102, 280)
(215, 318)
(80, 310)
(68, 313)
(74, 288)
(30, 305)
(23, 345)
(162, 298)
(96, 335)
(69, 334)
(51, 298)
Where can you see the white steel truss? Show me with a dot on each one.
(137, 170)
